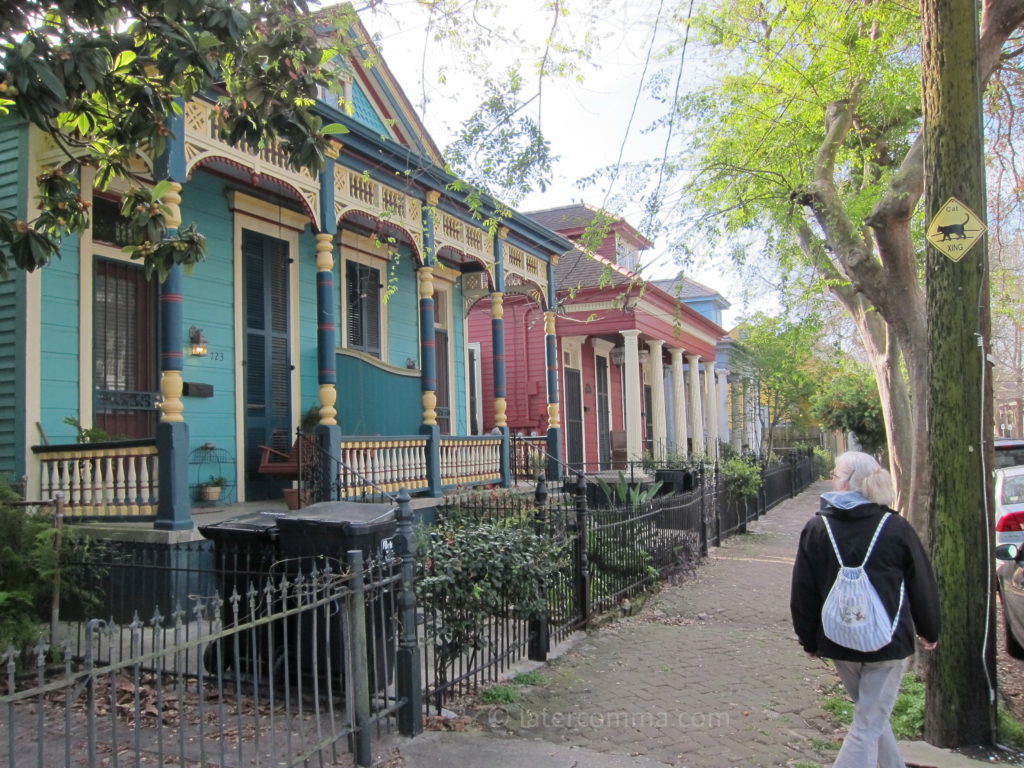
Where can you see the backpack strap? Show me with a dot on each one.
(871, 546)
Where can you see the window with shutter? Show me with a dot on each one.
(363, 307)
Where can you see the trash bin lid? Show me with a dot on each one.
(255, 525)
(346, 515)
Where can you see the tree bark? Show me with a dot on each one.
(959, 709)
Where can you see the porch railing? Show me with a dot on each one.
(372, 466)
(470, 460)
(101, 480)
(529, 456)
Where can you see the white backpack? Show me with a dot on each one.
(853, 615)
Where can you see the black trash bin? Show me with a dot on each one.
(244, 552)
(322, 534)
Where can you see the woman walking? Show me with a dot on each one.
(856, 528)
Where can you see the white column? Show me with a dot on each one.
(711, 409)
(678, 400)
(657, 377)
(723, 406)
(696, 412)
(631, 379)
(736, 433)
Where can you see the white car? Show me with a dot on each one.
(1009, 496)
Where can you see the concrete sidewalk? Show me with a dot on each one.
(708, 675)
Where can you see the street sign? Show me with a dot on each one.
(955, 229)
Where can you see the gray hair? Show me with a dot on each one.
(862, 473)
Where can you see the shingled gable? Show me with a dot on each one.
(384, 94)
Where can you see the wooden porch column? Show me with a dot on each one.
(711, 409)
(631, 378)
(428, 352)
(696, 412)
(659, 429)
(554, 469)
(678, 400)
(326, 334)
(174, 504)
(498, 345)
(724, 431)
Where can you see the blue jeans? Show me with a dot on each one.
(873, 686)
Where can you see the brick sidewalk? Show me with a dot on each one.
(709, 674)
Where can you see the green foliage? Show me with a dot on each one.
(499, 506)
(500, 694)
(500, 148)
(88, 434)
(27, 565)
(849, 402)
(1009, 730)
(778, 355)
(469, 573)
(216, 481)
(908, 712)
(823, 462)
(529, 678)
(103, 79)
(742, 478)
(626, 493)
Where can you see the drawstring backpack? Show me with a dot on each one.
(853, 615)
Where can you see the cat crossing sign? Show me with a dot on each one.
(955, 229)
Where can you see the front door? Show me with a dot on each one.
(573, 420)
(604, 429)
(125, 376)
(444, 405)
(268, 370)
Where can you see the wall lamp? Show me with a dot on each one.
(198, 342)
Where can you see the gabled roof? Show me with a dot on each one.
(378, 99)
(683, 288)
(585, 269)
(571, 220)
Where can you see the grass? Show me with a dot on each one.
(907, 714)
(500, 694)
(806, 764)
(529, 678)
(1009, 730)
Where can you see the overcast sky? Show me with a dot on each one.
(586, 122)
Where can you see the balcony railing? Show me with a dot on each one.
(101, 480)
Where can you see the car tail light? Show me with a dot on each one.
(1011, 521)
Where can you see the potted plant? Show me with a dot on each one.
(212, 488)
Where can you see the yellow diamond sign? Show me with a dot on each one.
(955, 229)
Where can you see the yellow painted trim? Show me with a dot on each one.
(245, 220)
(86, 297)
(383, 365)
(241, 203)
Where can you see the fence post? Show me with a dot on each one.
(582, 566)
(701, 489)
(717, 498)
(539, 634)
(358, 664)
(410, 716)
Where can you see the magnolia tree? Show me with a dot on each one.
(102, 79)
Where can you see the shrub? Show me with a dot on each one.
(742, 478)
(823, 462)
(469, 573)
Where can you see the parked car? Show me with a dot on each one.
(1009, 498)
(1009, 452)
(1010, 581)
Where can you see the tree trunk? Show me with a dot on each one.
(961, 671)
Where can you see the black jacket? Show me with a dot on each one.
(898, 556)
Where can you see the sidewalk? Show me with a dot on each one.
(709, 675)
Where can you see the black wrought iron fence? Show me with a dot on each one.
(262, 659)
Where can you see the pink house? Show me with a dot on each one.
(632, 359)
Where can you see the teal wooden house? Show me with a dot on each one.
(339, 298)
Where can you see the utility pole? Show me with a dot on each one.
(959, 704)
